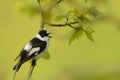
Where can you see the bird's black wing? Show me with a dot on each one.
(37, 46)
(25, 50)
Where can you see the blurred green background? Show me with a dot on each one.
(83, 60)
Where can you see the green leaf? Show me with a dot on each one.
(72, 12)
(89, 33)
(84, 20)
(59, 18)
(76, 35)
(46, 56)
(93, 11)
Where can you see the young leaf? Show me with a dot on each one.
(59, 18)
(88, 33)
(72, 12)
(76, 35)
(84, 20)
(46, 56)
(93, 11)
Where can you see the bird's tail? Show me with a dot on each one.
(16, 68)
(14, 75)
(31, 69)
(30, 72)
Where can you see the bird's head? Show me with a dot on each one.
(43, 35)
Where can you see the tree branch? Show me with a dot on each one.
(42, 12)
(63, 25)
(42, 15)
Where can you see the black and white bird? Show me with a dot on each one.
(33, 50)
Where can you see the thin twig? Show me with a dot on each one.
(42, 15)
(58, 2)
(63, 25)
(42, 12)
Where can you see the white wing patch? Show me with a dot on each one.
(27, 47)
(34, 50)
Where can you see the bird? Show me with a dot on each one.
(33, 50)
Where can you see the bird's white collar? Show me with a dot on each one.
(40, 38)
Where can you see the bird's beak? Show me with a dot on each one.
(50, 36)
(49, 33)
